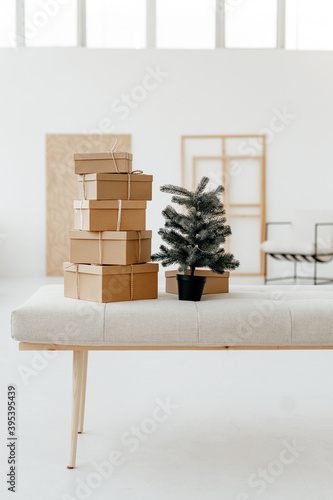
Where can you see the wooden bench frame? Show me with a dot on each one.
(80, 366)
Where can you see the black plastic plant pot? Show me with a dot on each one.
(190, 287)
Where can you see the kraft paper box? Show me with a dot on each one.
(115, 187)
(216, 283)
(90, 163)
(110, 247)
(111, 283)
(111, 215)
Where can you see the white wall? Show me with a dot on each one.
(223, 91)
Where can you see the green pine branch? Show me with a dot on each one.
(195, 238)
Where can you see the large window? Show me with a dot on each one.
(309, 24)
(168, 24)
(7, 23)
(50, 24)
(185, 24)
(251, 24)
(116, 23)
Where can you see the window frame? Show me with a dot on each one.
(151, 26)
(20, 26)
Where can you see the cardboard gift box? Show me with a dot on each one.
(115, 187)
(90, 163)
(111, 283)
(110, 247)
(216, 283)
(110, 215)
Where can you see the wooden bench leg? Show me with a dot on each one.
(83, 390)
(77, 387)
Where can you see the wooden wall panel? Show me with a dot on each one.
(62, 188)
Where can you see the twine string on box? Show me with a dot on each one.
(76, 277)
(132, 279)
(111, 152)
(81, 216)
(135, 172)
(100, 246)
(119, 214)
(139, 258)
(118, 219)
(82, 177)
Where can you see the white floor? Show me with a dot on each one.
(247, 425)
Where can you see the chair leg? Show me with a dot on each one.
(83, 391)
(295, 271)
(315, 273)
(265, 280)
(77, 384)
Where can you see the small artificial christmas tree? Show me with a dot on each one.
(196, 237)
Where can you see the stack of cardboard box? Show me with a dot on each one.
(110, 247)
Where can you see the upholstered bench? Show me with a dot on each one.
(256, 317)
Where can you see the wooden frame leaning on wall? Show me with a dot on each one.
(254, 210)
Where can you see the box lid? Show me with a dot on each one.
(199, 272)
(109, 235)
(116, 177)
(103, 156)
(111, 204)
(107, 270)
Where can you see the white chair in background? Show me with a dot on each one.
(309, 239)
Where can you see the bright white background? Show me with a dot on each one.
(236, 409)
(205, 92)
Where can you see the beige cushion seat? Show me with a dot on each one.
(248, 315)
